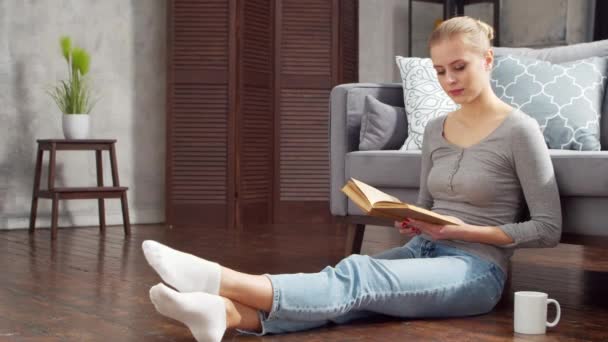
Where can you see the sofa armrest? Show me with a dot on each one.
(347, 104)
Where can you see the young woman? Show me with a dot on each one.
(483, 164)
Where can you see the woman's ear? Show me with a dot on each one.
(489, 58)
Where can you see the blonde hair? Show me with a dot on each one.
(475, 33)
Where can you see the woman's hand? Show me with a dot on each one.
(438, 231)
(406, 228)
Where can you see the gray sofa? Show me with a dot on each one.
(582, 176)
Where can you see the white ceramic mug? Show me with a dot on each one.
(530, 316)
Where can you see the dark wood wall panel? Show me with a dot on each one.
(200, 34)
(198, 106)
(305, 76)
(255, 152)
(257, 36)
(256, 155)
(248, 107)
(304, 142)
(349, 35)
(199, 160)
(306, 38)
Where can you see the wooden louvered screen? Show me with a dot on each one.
(199, 102)
(349, 47)
(248, 107)
(256, 113)
(316, 51)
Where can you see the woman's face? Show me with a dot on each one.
(463, 72)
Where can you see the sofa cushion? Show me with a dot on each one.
(424, 98)
(565, 99)
(383, 127)
(569, 53)
(578, 173)
(581, 173)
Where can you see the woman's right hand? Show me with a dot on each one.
(406, 229)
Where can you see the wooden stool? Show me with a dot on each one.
(99, 192)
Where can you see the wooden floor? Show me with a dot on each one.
(88, 286)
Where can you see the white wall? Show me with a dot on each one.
(127, 42)
(383, 28)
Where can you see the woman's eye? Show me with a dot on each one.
(440, 72)
(460, 67)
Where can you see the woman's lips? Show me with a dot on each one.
(456, 92)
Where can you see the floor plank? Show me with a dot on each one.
(88, 286)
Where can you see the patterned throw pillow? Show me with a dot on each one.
(565, 99)
(423, 97)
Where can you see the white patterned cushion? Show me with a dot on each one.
(423, 97)
(565, 99)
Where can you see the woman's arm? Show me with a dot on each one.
(465, 232)
(425, 200)
(537, 179)
(485, 234)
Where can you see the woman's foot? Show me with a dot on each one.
(183, 271)
(204, 314)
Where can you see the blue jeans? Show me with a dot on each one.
(420, 279)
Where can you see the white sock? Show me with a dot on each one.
(204, 314)
(183, 271)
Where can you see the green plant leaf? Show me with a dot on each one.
(66, 47)
(80, 60)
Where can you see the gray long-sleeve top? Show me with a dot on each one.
(490, 183)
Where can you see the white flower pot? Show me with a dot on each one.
(76, 126)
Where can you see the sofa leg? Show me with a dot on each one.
(354, 239)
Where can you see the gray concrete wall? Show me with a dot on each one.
(127, 42)
(383, 28)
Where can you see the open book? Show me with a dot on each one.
(377, 203)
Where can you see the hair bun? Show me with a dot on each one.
(489, 30)
(474, 32)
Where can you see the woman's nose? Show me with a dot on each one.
(450, 78)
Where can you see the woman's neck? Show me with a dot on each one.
(486, 103)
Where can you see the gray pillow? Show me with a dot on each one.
(565, 99)
(383, 127)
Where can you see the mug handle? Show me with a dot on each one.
(557, 315)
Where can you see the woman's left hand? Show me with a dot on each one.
(438, 231)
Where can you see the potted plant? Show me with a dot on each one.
(73, 96)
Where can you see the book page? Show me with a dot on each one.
(357, 197)
(374, 195)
